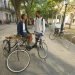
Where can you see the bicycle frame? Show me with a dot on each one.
(15, 45)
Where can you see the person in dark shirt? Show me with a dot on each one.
(22, 26)
(22, 30)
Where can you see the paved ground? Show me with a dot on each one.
(60, 61)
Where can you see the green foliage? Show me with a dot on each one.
(30, 6)
(58, 0)
(47, 8)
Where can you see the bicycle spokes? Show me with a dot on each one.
(18, 61)
(42, 50)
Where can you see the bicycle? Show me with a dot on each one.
(55, 33)
(20, 55)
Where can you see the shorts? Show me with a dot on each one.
(38, 35)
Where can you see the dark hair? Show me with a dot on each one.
(22, 16)
(38, 11)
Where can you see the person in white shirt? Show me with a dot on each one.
(57, 28)
(39, 25)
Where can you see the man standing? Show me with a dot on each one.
(39, 25)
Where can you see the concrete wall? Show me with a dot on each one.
(6, 16)
(2, 4)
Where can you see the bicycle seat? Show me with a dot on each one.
(9, 37)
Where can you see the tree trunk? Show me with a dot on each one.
(71, 17)
(16, 4)
(69, 26)
(18, 15)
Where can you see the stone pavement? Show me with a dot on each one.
(60, 61)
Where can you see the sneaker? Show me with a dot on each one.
(34, 46)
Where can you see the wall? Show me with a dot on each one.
(5, 15)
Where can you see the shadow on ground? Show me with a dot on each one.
(52, 66)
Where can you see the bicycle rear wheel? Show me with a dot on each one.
(61, 35)
(6, 48)
(42, 50)
(52, 36)
(18, 61)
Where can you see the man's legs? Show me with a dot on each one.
(24, 35)
(37, 36)
(28, 47)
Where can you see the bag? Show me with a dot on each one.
(30, 38)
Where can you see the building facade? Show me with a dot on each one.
(7, 12)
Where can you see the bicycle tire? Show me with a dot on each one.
(6, 48)
(61, 35)
(18, 61)
(51, 36)
(42, 52)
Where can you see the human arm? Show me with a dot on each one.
(43, 27)
(26, 23)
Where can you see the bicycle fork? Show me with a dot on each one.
(17, 53)
(40, 43)
(9, 46)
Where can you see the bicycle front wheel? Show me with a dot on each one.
(42, 50)
(18, 61)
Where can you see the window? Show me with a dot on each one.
(5, 3)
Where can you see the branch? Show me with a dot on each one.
(31, 3)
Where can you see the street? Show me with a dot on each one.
(60, 61)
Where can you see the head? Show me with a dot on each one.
(23, 17)
(38, 13)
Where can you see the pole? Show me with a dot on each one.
(62, 25)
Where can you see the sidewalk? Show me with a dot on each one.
(61, 52)
(7, 30)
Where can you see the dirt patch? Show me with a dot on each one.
(71, 34)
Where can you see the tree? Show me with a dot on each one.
(70, 9)
(30, 6)
(47, 8)
(16, 4)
